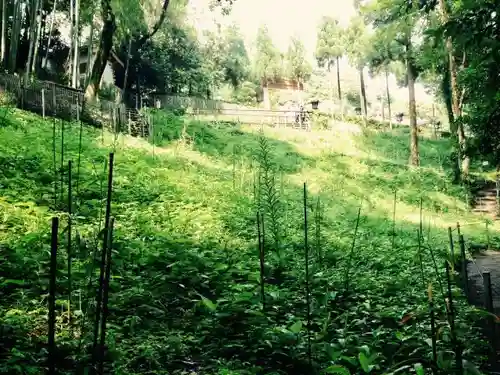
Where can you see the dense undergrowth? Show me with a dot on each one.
(185, 296)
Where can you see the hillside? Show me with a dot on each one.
(184, 292)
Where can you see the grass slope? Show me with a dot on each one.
(184, 291)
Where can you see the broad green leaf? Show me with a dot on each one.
(12, 281)
(209, 304)
(337, 369)
(296, 327)
(364, 362)
(419, 369)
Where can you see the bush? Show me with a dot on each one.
(320, 120)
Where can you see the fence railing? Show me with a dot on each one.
(52, 99)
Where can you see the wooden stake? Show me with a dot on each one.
(52, 297)
(105, 299)
(488, 304)
(69, 252)
(308, 291)
(43, 103)
(103, 263)
(452, 250)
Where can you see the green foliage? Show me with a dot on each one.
(267, 60)
(298, 68)
(268, 194)
(185, 275)
(356, 42)
(329, 45)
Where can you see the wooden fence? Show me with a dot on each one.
(52, 99)
(276, 118)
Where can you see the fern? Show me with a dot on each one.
(268, 194)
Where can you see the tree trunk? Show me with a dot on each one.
(33, 27)
(89, 52)
(127, 64)
(15, 35)
(362, 95)
(388, 96)
(414, 154)
(338, 79)
(69, 59)
(457, 126)
(51, 28)
(3, 46)
(103, 51)
(34, 62)
(76, 50)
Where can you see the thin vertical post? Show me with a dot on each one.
(261, 259)
(43, 103)
(451, 321)
(487, 235)
(69, 252)
(105, 298)
(488, 304)
(394, 220)
(452, 250)
(465, 276)
(54, 111)
(308, 291)
(433, 328)
(52, 297)
(99, 298)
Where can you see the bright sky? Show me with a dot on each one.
(284, 18)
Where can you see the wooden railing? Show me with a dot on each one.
(278, 118)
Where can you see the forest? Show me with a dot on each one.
(209, 246)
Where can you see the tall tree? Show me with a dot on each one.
(356, 45)
(382, 56)
(397, 20)
(267, 61)
(149, 28)
(330, 47)
(456, 126)
(3, 36)
(298, 68)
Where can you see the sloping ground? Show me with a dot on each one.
(184, 293)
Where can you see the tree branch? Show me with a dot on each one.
(114, 57)
(156, 26)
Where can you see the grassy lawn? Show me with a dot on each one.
(185, 295)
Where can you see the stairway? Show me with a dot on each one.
(485, 202)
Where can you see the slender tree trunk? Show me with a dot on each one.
(338, 79)
(34, 63)
(33, 6)
(103, 51)
(76, 52)
(457, 126)
(51, 29)
(362, 95)
(15, 35)
(389, 112)
(3, 45)
(414, 153)
(339, 90)
(69, 59)
(127, 66)
(89, 52)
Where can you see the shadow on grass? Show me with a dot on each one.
(225, 141)
(395, 146)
